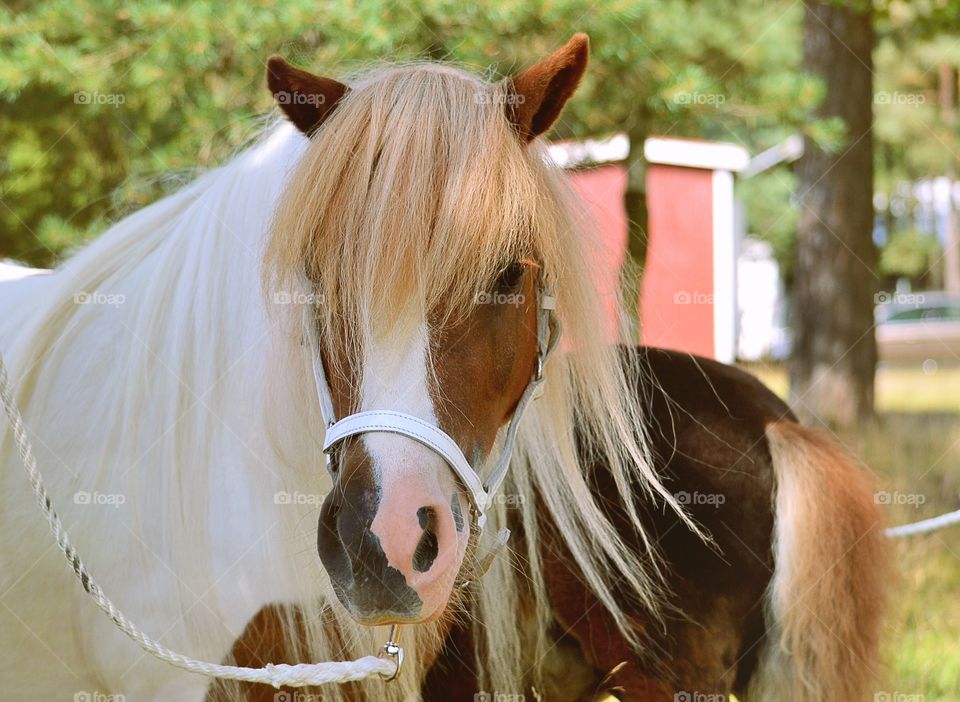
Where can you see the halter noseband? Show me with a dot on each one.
(481, 491)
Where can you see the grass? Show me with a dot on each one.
(918, 456)
(909, 389)
(899, 388)
(915, 449)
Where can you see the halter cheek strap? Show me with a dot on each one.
(480, 491)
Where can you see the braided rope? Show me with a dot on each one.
(281, 674)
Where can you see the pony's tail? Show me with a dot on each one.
(832, 568)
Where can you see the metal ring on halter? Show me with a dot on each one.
(328, 456)
(392, 650)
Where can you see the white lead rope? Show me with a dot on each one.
(924, 526)
(277, 675)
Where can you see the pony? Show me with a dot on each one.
(784, 602)
(395, 239)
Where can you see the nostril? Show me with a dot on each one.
(330, 545)
(428, 546)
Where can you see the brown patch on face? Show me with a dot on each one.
(484, 362)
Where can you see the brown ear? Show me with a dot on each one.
(541, 91)
(305, 98)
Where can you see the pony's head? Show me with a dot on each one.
(427, 225)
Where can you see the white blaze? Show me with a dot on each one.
(395, 377)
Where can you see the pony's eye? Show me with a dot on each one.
(510, 277)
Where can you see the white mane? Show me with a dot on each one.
(147, 370)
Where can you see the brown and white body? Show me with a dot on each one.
(785, 602)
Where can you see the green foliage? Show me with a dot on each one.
(99, 97)
(909, 254)
(915, 138)
(770, 213)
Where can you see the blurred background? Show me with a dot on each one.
(774, 182)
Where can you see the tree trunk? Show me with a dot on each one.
(635, 205)
(835, 350)
(635, 202)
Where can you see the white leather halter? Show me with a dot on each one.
(480, 491)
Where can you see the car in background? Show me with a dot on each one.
(918, 326)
